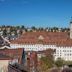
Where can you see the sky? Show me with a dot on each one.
(38, 13)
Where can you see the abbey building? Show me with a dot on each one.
(39, 41)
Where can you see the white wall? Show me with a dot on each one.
(33, 47)
(4, 65)
(63, 52)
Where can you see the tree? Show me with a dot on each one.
(20, 32)
(47, 61)
(33, 28)
(49, 51)
(5, 32)
(49, 54)
(3, 26)
(18, 27)
(26, 30)
(22, 27)
(59, 62)
(55, 29)
(67, 29)
(68, 62)
(43, 66)
(40, 29)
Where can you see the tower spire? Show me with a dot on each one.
(71, 20)
(71, 28)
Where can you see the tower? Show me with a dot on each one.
(71, 28)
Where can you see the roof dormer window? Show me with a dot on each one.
(40, 37)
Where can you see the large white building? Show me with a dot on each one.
(39, 41)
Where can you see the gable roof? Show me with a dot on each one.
(5, 57)
(13, 53)
(51, 38)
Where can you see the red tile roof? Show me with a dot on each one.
(14, 53)
(56, 38)
(5, 57)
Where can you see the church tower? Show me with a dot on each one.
(71, 28)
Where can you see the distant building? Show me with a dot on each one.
(39, 41)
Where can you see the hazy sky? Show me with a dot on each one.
(39, 13)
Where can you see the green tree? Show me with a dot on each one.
(41, 29)
(59, 62)
(5, 32)
(47, 61)
(49, 53)
(22, 27)
(43, 66)
(33, 28)
(67, 62)
(26, 30)
(18, 27)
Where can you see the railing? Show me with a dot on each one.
(13, 69)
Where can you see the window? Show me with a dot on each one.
(60, 55)
(70, 50)
(70, 54)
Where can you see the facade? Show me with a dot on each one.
(4, 62)
(32, 61)
(42, 41)
(39, 41)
